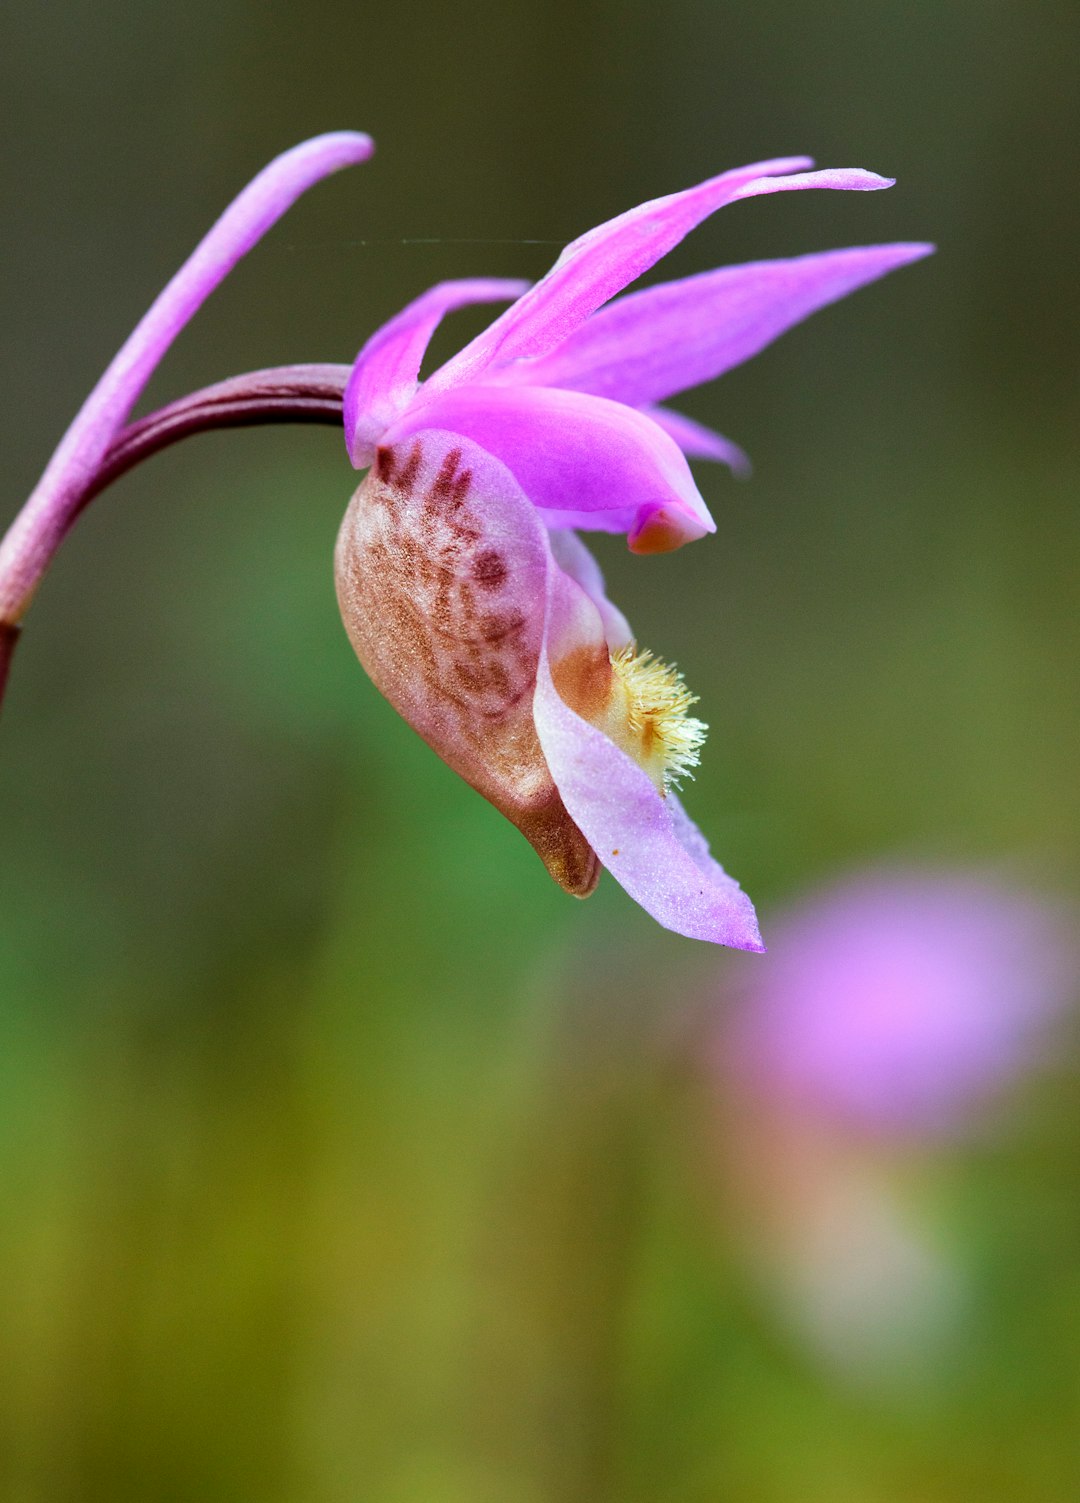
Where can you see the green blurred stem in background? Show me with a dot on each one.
(283, 394)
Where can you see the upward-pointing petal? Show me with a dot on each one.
(649, 345)
(383, 380)
(606, 259)
(37, 531)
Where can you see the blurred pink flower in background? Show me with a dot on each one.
(891, 1017)
(902, 1000)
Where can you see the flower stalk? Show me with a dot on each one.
(466, 592)
(79, 468)
(284, 394)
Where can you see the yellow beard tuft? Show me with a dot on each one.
(658, 734)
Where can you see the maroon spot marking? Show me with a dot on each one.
(524, 656)
(442, 487)
(472, 676)
(500, 680)
(461, 489)
(495, 625)
(489, 570)
(486, 678)
(406, 476)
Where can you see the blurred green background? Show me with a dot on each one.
(343, 1157)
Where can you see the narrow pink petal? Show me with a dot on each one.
(605, 260)
(644, 839)
(847, 179)
(596, 266)
(44, 519)
(698, 442)
(583, 461)
(384, 378)
(258, 207)
(648, 346)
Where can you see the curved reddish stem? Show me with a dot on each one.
(284, 394)
(9, 636)
(31, 541)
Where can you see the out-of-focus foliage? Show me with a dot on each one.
(342, 1157)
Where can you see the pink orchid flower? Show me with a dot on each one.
(898, 1012)
(467, 595)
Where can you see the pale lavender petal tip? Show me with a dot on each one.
(851, 179)
(644, 839)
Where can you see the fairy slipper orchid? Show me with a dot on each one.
(467, 595)
(493, 638)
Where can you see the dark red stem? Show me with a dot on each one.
(284, 394)
(9, 636)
